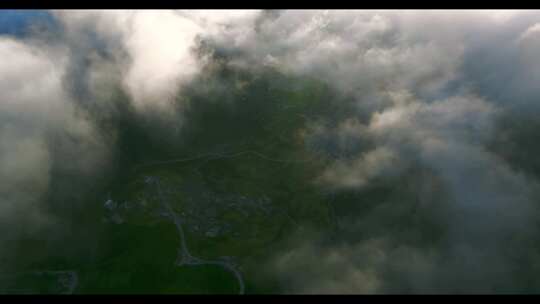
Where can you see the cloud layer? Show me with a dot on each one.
(438, 103)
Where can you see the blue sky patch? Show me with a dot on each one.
(17, 22)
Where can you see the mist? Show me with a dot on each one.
(429, 134)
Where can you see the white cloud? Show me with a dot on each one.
(34, 109)
(159, 45)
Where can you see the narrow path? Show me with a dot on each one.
(213, 156)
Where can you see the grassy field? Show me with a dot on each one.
(254, 133)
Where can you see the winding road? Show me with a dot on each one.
(66, 278)
(184, 256)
